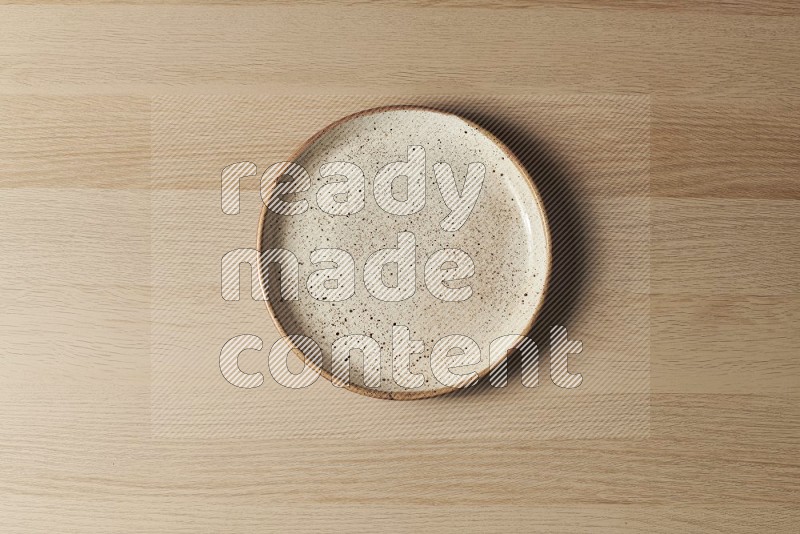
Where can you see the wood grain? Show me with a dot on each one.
(77, 447)
(120, 49)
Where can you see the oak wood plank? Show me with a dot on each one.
(270, 48)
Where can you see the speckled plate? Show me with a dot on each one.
(504, 235)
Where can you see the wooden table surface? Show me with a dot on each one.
(78, 450)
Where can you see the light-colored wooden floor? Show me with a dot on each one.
(77, 448)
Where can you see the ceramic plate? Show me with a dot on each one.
(396, 246)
